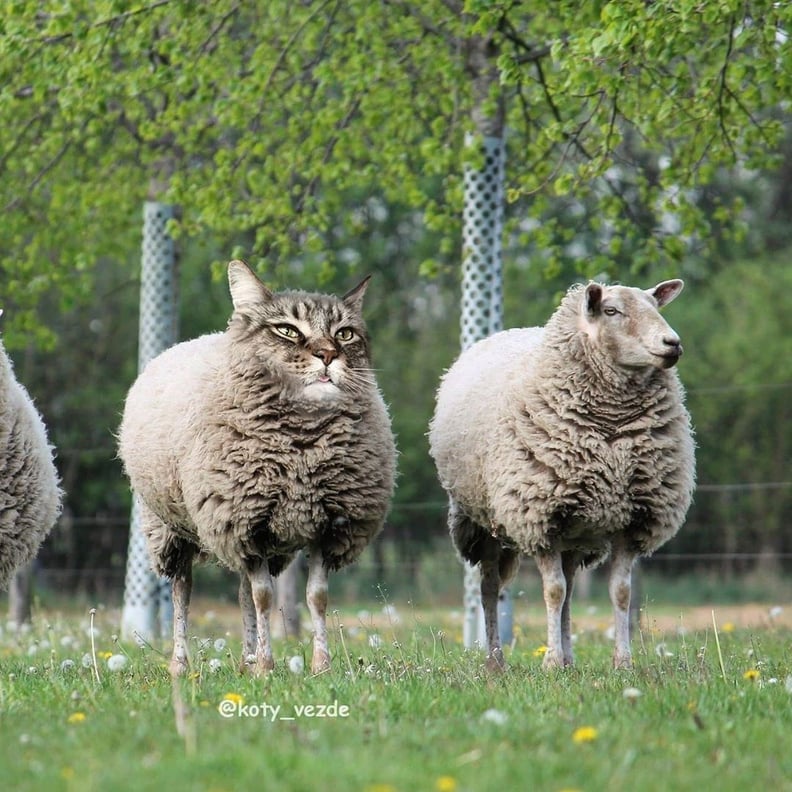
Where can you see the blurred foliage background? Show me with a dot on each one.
(322, 140)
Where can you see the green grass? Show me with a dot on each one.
(422, 713)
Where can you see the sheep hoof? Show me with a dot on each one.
(622, 662)
(320, 662)
(263, 665)
(553, 660)
(495, 662)
(178, 666)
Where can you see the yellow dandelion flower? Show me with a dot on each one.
(380, 788)
(584, 734)
(76, 717)
(540, 651)
(751, 674)
(446, 784)
(235, 697)
(67, 773)
(728, 627)
(104, 655)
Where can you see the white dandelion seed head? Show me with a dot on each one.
(33, 649)
(66, 666)
(117, 662)
(67, 641)
(296, 664)
(87, 660)
(776, 611)
(631, 693)
(364, 615)
(391, 612)
(374, 641)
(220, 645)
(610, 632)
(93, 632)
(661, 650)
(215, 664)
(495, 716)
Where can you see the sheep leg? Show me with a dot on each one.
(554, 589)
(262, 592)
(619, 588)
(316, 598)
(490, 588)
(249, 625)
(181, 589)
(570, 562)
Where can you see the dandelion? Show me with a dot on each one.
(105, 655)
(66, 666)
(219, 645)
(296, 664)
(776, 611)
(67, 773)
(235, 697)
(495, 716)
(215, 664)
(76, 717)
(728, 627)
(584, 734)
(380, 788)
(661, 650)
(446, 784)
(117, 662)
(374, 641)
(631, 693)
(752, 674)
(87, 660)
(540, 651)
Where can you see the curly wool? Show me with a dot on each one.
(30, 496)
(222, 463)
(540, 438)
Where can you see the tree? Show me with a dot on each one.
(259, 118)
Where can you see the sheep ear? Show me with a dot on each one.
(354, 298)
(666, 291)
(245, 287)
(593, 298)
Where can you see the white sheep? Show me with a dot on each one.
(251, 444)
(568, 443)
(30, 495)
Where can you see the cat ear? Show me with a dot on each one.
(245, 287)
(354, 299)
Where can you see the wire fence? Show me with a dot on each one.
(86, 554)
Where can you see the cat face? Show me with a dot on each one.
(316, 344)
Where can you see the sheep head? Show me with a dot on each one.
(626, 325)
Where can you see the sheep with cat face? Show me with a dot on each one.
(254, 443)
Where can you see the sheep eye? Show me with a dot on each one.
(345, 334)
(287, 331)
(610, 311)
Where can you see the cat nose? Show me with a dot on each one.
(326, 355)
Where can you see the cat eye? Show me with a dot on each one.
(345, 334)
(287, 331)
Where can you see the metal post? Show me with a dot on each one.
(482, 309)
(145, 594)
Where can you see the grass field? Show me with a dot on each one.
(708, 706)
